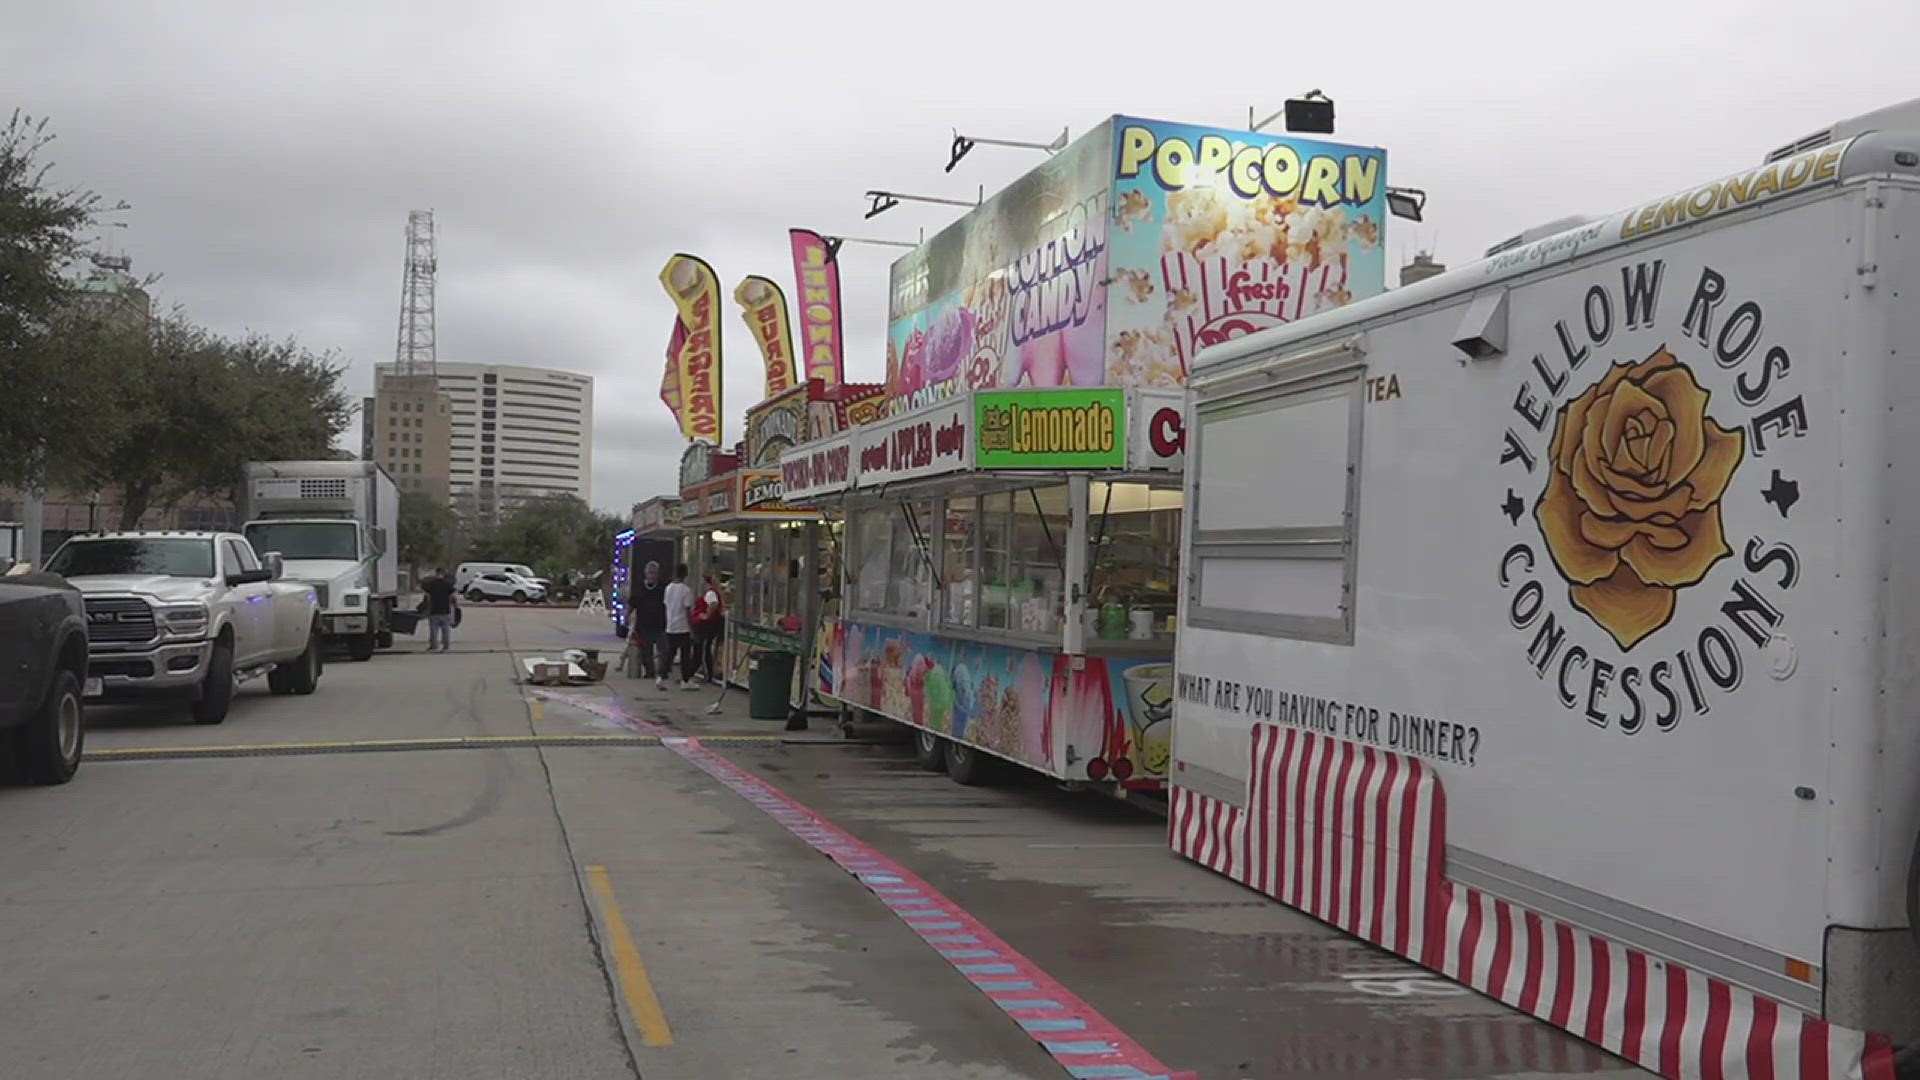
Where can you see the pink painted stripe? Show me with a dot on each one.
(875, 870)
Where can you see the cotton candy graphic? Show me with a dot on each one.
(949, 345)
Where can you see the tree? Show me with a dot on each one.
(554, 534)
(194, 408)
(426, 529)
(48, 384)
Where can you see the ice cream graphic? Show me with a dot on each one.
(937, 690)
(949, 345)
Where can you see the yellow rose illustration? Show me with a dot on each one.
(1631, 513)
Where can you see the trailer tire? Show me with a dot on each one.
(929, 751)
(968, 766)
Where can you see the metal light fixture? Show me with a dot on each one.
(1311, 113)
(964, 144)
(834, 243)
(1406, 202)
(883, 201)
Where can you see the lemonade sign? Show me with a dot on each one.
(1051, 429)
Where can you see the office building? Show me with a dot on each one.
(515, 433)
(406, 426)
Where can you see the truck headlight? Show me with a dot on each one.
(185, 620)
(356, 600)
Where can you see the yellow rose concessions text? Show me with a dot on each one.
(1617, 467)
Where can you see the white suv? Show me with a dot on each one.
(520, 590)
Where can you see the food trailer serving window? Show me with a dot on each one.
(1003, 561)
(889, 567)
(1275, 499)
(1134, 533)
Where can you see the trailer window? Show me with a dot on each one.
(1275, 494)
(888, 565)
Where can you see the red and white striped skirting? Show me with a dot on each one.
(1356, 836)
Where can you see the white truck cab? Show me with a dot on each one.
(1553, 621)
(335, 524)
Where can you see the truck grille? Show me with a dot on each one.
(119, 620)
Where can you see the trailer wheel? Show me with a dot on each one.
(967, 765)
(930, 751)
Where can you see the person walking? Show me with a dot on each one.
(709, 621)
(678, 600)
(648, 632)
(442, 600)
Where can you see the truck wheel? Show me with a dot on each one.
(930, 751)
(47, 747)
(967, 765)
(519, 596)
(361, 646)
(216, 691)
(384, 621)
(304, 676)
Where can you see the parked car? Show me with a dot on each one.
(464, 574)
(43, 676)
(191, 613)
(504, 586)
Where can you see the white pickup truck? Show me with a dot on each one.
(190, 613)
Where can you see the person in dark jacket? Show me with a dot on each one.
(648, 630)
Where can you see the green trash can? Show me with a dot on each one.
(770, 685)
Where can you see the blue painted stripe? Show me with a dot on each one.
(880, 879)
(1011, 1004)
(969, 954)
(987, 969)
(1108, 1072)
(930, 913)
(937, 925)
(1093, 1046)
(1003, 984)
(906, 901)
(1054, 1025)
(952, 939)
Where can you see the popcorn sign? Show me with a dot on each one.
(1218, 234)
(1117, 259)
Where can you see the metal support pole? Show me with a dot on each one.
(1074, 642)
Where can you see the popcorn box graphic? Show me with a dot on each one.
(1227, 298)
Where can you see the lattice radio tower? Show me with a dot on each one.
(415, 353)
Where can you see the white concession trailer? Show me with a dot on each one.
(1555, 622)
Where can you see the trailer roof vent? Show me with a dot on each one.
(1902, 117)
(323, 488)
(1538, 232)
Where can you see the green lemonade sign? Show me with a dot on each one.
(1051, 429)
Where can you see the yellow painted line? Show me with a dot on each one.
(536, 710)
(365, 744)
(634, 985)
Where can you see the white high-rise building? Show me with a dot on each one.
(517, 433)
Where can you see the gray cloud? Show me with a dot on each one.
(272, 151)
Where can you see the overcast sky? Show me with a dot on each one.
(271, 151)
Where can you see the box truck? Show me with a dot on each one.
(336, 526)
(1553, 622)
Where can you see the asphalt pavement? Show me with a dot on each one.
(429, 870)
